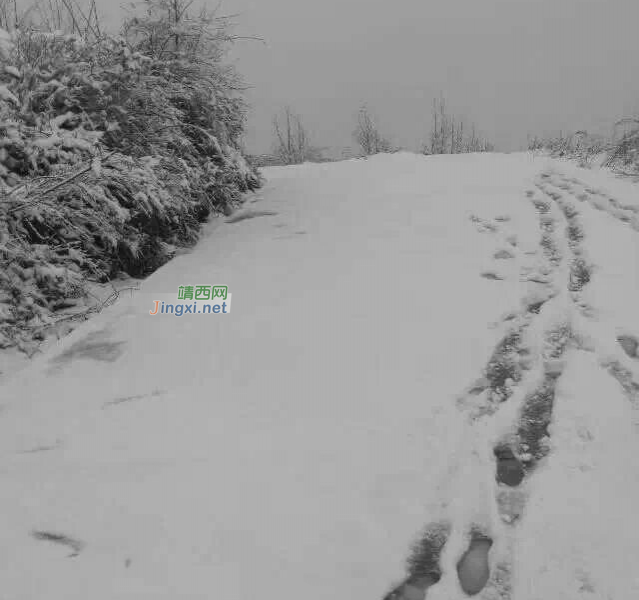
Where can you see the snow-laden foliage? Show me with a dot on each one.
(111, 155)
(620, 152)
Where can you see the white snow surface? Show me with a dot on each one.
(297, 446)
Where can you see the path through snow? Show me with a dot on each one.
(425, 355)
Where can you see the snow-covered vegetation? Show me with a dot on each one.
(292, 144)
(619, 152)
(449, 136)
(367, 134)
(113, 151)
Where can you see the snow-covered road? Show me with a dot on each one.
(419, 348)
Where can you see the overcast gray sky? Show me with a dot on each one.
(511, 66)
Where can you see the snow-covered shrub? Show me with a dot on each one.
(580, 146)
(111, 155)
(367, 135)
(624, 153)
(620, 152)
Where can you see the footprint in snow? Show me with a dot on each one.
(423, 564)
(630, 345)
(510, 504)
(473, 570)
(509, 469)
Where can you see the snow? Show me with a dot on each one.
(6, 44)
(300, 444)
(7, 95)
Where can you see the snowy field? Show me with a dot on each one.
(419, 347)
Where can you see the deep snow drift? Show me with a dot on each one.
(414, 343)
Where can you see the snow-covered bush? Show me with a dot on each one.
(113, 150)
(367, 134)
(581, 146)
(624, 153)
(620, 152)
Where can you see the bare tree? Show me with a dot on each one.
(441, 127)
(447, 134)
(367, 135)
(459, 138)
(292, 144)
(71, 16)
(453, 137)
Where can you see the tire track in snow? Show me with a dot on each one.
(586, 334)
(423, 566)
(521, 374)
(544, 336)
(627, 214)
(618, 366)
(564, 271)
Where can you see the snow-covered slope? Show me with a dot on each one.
(394, 322)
